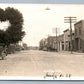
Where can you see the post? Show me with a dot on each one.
(56, 40)
(48, 44)
(70, 20)
(71, 36)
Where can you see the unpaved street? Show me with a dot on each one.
(37, 63)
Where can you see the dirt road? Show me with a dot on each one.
(38, 63)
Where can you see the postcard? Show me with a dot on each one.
(41, 41)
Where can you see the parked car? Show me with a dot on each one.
(3, 52)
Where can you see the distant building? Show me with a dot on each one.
(43, 44)
(61, 42)
(33, 48)
(48, 44)
(79, 36)
(56, 43)
(52, 43)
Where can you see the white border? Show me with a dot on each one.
(38, 78)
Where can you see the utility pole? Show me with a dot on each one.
(56, 39)
(70, 20)
(48, 46)
(56, 33)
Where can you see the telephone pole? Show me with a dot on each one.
(56, 40)
(70, 20)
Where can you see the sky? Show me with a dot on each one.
(39, 23)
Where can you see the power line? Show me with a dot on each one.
(70, 20)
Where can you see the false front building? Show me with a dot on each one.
(79, 36)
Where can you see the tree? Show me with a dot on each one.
(14, 33)
(2, 15)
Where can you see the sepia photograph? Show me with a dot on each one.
(41, 41)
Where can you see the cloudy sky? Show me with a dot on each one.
(39, 23)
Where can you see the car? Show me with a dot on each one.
(3, 52)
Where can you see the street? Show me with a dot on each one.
(38, 63)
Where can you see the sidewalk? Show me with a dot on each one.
(69, 52)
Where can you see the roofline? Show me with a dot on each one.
(66, 30)
(78, 22)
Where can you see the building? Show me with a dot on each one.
(61, 42)
(56, 43)
(43, 44)
(33, 48)
(79, 36)
(66, 40)
(73, 41)
(52, 43)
